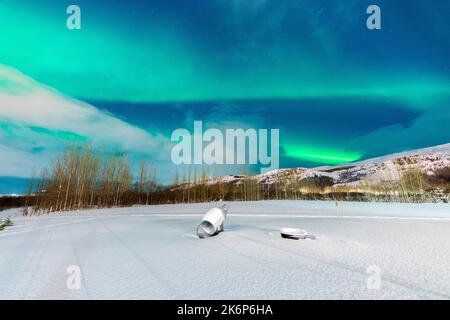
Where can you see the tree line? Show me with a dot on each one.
(82, 179)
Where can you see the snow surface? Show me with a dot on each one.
(151, 252)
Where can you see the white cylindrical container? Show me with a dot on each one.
(212, 222)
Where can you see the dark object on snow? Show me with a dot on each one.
(205, 229)
(295, 234)
(5, 223)
(289, 237)
(212, 222)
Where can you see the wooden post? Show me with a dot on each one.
(337, 208)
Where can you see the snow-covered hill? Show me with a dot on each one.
(433, 161)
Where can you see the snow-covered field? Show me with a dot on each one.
(151, 253)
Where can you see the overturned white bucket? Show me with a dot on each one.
(212, 222)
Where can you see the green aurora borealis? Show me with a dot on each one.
(337, 91)
(156, 60)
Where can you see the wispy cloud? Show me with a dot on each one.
(428, 129)
(35, 118)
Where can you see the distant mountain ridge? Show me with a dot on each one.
(432, 160)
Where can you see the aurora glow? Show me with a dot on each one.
(156, 52)
(337, 91)
(319, 155)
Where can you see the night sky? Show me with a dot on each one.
(337, 91)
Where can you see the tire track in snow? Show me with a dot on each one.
(29, 269)
(165, 283)
(43, 228)
(80, 264)
(339, 265)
